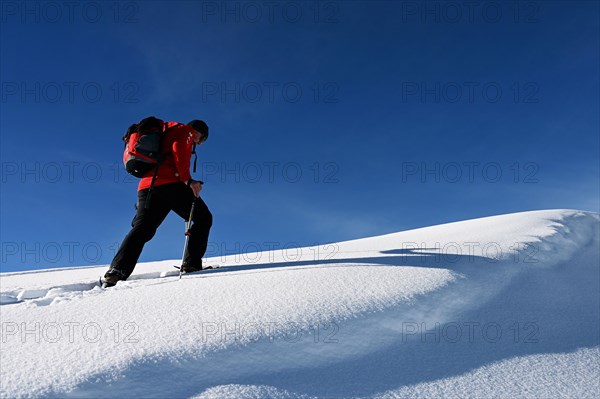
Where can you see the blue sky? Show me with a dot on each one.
(329, 120)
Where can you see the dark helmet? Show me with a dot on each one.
(201, 127)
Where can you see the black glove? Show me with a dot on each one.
(189, 183)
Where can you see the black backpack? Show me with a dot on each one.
(143, 143)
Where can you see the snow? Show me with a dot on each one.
(494, 307)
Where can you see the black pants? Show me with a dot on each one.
(176, 197)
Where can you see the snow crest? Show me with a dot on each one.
(331, 321)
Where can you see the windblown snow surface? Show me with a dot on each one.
(504, 306)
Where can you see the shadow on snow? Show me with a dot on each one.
(547, 310)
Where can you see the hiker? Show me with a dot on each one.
(164, 188)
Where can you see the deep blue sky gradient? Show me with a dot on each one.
(361, 145)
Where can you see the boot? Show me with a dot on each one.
(111, 278)
(187, 268)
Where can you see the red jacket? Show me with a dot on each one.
(177, 145)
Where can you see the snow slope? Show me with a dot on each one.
(500, 306)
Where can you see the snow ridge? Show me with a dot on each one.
(226, 333)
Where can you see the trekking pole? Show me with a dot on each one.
(188, 227)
